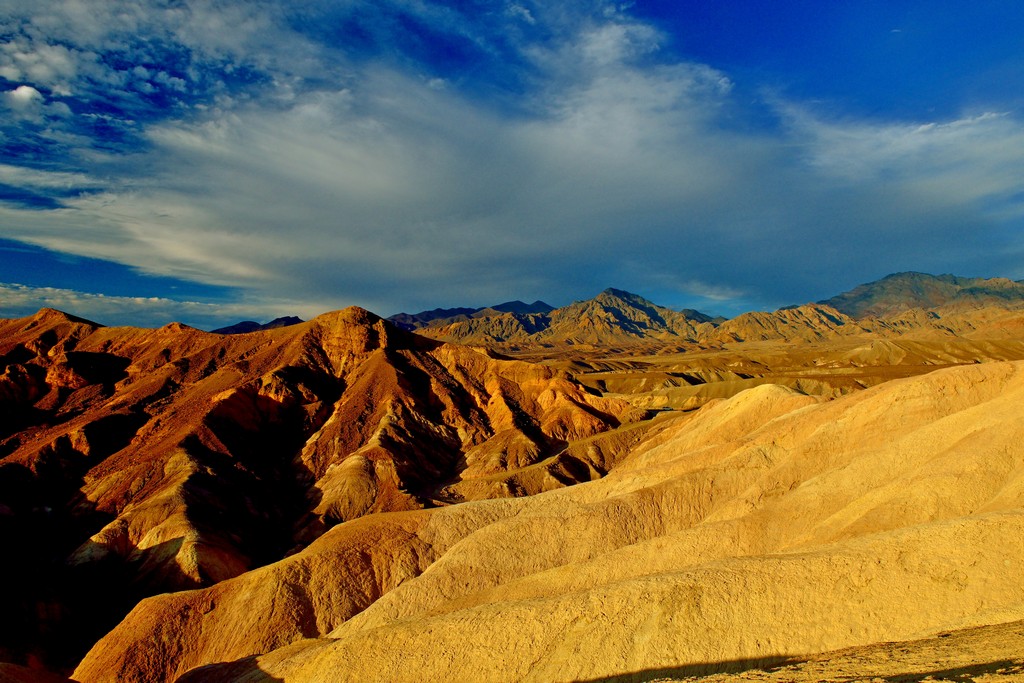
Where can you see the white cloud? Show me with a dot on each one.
(520, 12)
(21, 300)
(25, 103)
(214, 28)
(23, 96)
(713, 292)
(615, 42)
(975, 160)
(64, 48)
(25, 177)
(400, 181)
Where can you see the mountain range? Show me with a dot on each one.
(897, 305)
(615, 316)
(446, 316)
(247, 326)
(899, 292)
(611, 490)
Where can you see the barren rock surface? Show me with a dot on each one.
(343, 500)
(173, 458)
(768, 525)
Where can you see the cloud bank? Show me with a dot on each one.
(20, 301)
(405, 155)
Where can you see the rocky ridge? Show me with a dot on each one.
(247, 326)
(900, 292)
(613, 316)
(904, 304)
(446, 316)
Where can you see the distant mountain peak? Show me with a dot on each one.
(444, 316)
(612, 292)
(612, 316)
(247, 326)
(53, 315)
(902, 291)
(521, 307)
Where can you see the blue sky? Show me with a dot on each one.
(209, 161)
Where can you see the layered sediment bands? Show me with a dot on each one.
(767, 525)
(174, 458)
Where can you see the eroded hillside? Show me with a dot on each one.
(155, 460)
(344, 500)
(769, 525)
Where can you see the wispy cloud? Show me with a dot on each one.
(975, 158)
(394, 187)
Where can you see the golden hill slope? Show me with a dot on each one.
(767, 525)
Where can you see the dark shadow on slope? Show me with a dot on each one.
(99, 368)
(256, 486)
(52, 612)
(247, 669)
(20, 387)
(432, 455)
(17, 355)
(63, 463)
(963, 674)
(696, 670)
(570, 470)
(254, 493)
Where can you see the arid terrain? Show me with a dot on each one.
(605, 491)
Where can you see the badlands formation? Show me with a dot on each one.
(617, 492)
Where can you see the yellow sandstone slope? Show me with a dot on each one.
(767, 525)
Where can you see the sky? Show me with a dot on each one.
(209, 161)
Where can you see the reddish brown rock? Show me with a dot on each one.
(175, 458)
